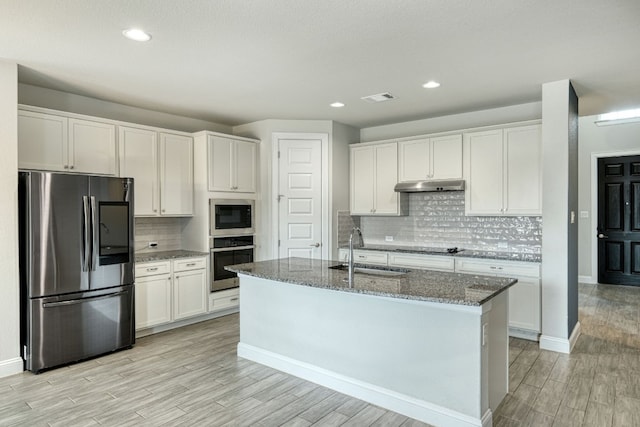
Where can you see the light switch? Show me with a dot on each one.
(573, 217)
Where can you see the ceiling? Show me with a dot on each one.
(238, 61)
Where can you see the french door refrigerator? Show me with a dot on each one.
(76, 267)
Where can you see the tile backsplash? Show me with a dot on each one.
(438, 220)
(166, 231)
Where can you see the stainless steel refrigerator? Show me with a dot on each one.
(76, 267)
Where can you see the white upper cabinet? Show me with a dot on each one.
(176, 175)
(374, 174)
(430, 158)
(58, 143)
(502, 169)
(232, 165)
(161, 165)
(139, 160)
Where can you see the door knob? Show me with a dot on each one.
(602, 236)
(315, 245)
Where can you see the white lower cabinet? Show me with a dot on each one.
(362, 256)
(426, 262)
(168, 291)
(524, 297)
(224, 300)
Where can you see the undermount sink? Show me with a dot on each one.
(372, 271)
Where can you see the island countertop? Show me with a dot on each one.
(419, 285)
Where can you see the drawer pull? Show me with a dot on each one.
(234, 299)
(152, 269)
(191, 264)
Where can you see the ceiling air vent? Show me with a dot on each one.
(379, 97)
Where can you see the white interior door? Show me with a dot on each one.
(299, 194)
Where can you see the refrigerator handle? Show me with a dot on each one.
(86, 252)
(82, 300)
(94, 234)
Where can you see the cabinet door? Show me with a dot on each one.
(245, 166)
(415, 160)
(189, 294)
(42, 141)
(92, 147)
(362, 180)
(524, 304)
(220, 163)
(446, 157)
(139, 160)
(153, 300)
(523, 175)
(386, 178)
(483, 167)
(176, 175)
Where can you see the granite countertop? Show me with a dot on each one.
(162, 255)
(507, 256)
(419, 285)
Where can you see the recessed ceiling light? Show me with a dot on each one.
(337, 105)
(431, 85)
(137, 35)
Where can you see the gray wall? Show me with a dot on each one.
(10, 361)
(63, 101)
(572, 272)
(597, 141)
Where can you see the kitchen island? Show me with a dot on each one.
(430, 345)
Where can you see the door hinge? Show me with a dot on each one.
(278, 154)
(278, 243)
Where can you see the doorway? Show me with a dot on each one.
(301, 191)
(618, 230)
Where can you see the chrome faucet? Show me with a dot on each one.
(353, 230)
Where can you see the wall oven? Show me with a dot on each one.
(228, 251)
(231, 217)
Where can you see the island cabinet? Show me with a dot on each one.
(373, 175)
(161, 164)
(232, 164)
(503, 171)
(524, 297)
(67, 143)
(430, 158)
(172, 290)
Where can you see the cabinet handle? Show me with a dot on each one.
(155, 210)
(152, 269)
(191, 264)
(71, 167)
(234, 299)
(66, 166)
(163, 210)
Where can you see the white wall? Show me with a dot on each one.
(10, 361)
(49, 98)
(597, 141)
(494, 116)
(559, 233)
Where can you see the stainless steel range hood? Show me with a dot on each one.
(429, 186)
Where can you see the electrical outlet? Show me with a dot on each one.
(388, 238)
(153, 245)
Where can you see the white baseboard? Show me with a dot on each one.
(525, 334)
(587, 279)
(560, 345)
(389, 399)
(11, 366)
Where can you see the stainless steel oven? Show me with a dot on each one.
(231, 217)
(225, 251)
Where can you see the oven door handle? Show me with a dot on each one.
(232, 248)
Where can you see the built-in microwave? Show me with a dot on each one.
(231, 217)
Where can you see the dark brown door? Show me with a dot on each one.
(619, 220)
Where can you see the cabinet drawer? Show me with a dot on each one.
(153, 268)
(370, 257)
(427, 262)
(494, 267)
(224, 299)
(189, 264)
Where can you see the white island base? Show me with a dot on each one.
(443, 364)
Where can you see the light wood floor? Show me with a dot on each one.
(192, 377)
